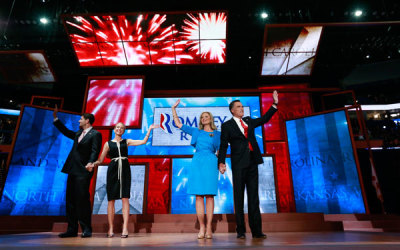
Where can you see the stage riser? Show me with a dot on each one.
(225, 223)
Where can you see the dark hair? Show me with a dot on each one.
(87, 116)
(231, 105)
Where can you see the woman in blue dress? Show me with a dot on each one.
(203, 172)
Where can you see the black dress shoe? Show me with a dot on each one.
(86, 234)
(240, 236)
(68, 234)
(259, 236)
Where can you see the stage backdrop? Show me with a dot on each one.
(183, 203)
(168, 139)
(35, 184)
(324, 171)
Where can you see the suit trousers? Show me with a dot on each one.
(247, 177)
(78, 207)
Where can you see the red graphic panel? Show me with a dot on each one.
(189, 35)
(137, 53)
(284, 186)
(158, 186)
(80, 30)
(187, 52)
(213, 51)
(291, 105)
(112, 53)
(106, 28)
(162, 52)
(89, 54)
(115, 100)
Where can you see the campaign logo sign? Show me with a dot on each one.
(171, 135)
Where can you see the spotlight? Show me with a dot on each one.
(367, 56)
(264, 15)
(358, 13)
(44, 20)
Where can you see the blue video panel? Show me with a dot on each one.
(35, 184)
(168, 139)
(183, 203)
(324, 171)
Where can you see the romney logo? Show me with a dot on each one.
(165, 120)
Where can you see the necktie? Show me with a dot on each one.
(245, 127)
(81, 136)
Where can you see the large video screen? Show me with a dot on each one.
(35, 184)
(290, 50)
(324, 171)
(168, 139)
(183, 203)
(148, 38)
(25, 67)
(138, 173)
(115, 100)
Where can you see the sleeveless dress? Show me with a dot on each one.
(118, 172)
(203, 172)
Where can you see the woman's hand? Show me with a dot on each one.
(152, 126)
(176, 104)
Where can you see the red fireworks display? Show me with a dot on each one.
(147, 39)
(115, 100)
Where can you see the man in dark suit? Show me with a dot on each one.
(85, 151)
(245, 158)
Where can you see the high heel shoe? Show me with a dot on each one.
(208, 236)
(110, 235)
(200, 236)
(124, 235)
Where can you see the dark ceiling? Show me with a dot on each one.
(342, 48)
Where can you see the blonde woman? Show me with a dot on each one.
(119, 174)
(203, 173)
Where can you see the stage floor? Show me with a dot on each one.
(297, 240)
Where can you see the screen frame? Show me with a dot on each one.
(145, 183)
(142, 77)
(353, 145)
(11, 153)
(64, 16)
(61, 99)
(289, 26)
(28, 52)
(227, 156)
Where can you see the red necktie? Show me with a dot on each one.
(245, 127)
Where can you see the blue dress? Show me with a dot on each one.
(203, 172)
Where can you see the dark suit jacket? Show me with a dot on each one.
(230, 133)
(81, 153)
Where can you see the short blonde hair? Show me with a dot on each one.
(212, 125)
(123, 125)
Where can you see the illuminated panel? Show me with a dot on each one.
(168, 139)
(25, 67)
(89, 54)
(284, 185)
(290, 50)
(183, 203)
(158, 184)
(115, 100)
(291, 106)
(35, 184)
(324, 171)
(138, 173)
(147, 39)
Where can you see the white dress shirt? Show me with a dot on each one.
(237, 120)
